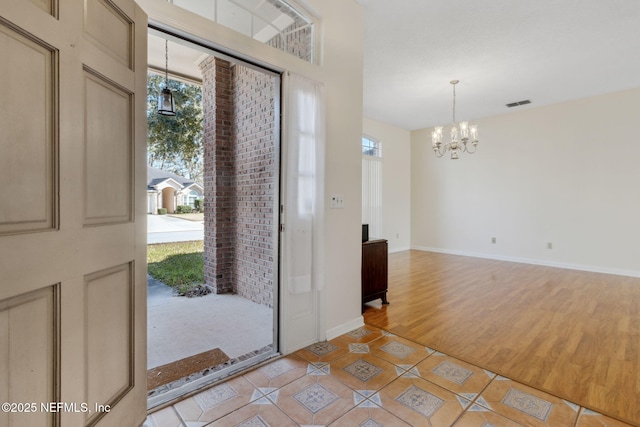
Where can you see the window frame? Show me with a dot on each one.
(374, 146)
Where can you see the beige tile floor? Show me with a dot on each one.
(371, 378)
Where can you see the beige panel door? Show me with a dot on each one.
(72, 213)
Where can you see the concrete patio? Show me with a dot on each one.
(180, 327)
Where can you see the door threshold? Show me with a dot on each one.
(196, 381)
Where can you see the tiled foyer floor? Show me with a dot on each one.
(371, 378)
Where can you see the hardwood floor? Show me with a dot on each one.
(570, 333)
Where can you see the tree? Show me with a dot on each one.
(175, 144)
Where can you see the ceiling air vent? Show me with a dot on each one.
(515, 104)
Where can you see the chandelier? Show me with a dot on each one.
(461, 135)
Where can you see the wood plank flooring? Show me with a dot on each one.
(570, 333)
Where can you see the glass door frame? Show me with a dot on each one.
(190, 387)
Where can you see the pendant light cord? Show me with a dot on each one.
(454, 103)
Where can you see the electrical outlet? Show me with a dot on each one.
(493, 240)
(549, 245)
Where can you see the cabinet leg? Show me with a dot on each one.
(384, 299)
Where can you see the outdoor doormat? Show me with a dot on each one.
(182, 368)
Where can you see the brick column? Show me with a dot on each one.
(240, 179)
(219, 197)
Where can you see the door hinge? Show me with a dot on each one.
(281, 228)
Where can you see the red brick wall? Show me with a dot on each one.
(256, 182)
(240, 179)
(298, 39)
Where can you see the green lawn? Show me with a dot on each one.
(179, 265)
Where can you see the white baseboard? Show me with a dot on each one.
(399, 249)
(593, 269)
(345, 327)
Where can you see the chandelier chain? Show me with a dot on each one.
(166, 63)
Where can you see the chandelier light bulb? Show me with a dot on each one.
(436, 137)
(474, 134)
(464, 131)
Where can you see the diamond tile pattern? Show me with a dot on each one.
(453, 373)
(322, 348)
(278, 368)
(358, 348)
(370, 423)
(255, 421)
(363, 370)
(215, 396)
(315, 398)
(397, 349)
(378, 379)
(420, 401)
(530, 405)
(359, 333)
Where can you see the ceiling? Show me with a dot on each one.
(183, 61)
(502, 51)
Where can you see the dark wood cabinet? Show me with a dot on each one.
(374, 270)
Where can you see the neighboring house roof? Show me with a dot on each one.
(156, 177)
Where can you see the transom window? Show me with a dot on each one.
(277, 23)
(371, 147)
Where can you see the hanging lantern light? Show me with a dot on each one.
(166, 103)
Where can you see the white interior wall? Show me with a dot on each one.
(341, 33)
(396, 182)
(566, 174)
(342, 53)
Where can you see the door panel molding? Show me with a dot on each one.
(49, 6)
(109, 336)
(36, 377)
(108, 145)
(100, 19)
(29, 139)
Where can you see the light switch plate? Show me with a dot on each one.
(337, 201)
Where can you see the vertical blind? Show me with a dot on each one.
(372, 195)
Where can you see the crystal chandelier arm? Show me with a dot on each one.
(468, 150)
(473, 136)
